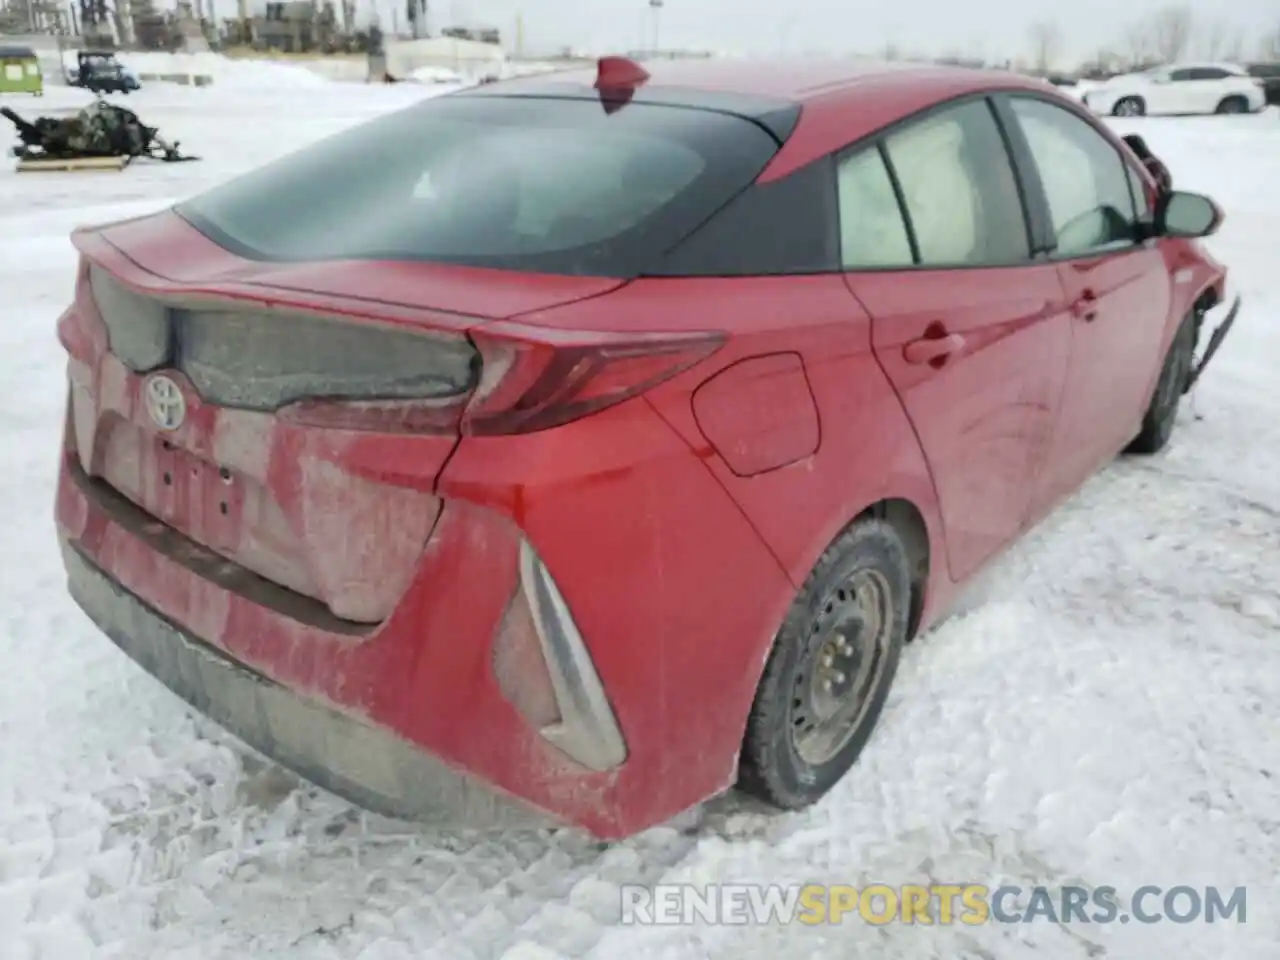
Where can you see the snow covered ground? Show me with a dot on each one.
(1109, 713)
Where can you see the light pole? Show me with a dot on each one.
(784, 33)
(656, 7)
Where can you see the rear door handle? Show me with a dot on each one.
(1085, 306)
(933, 350)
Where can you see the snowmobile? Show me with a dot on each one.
(102, 136)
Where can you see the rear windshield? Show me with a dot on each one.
(547, 185)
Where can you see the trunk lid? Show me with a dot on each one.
(180, 352)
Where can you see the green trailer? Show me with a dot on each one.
(20, 70)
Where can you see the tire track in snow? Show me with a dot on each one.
(1106, 715)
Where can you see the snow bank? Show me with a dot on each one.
(349, 69)
(504, 70)
(225, 71)
(264, 73)
(526, 68)
(436, 75)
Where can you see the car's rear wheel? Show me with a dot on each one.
(1233, 105)
(833, 662)
(1162, 412)
(1129, 107)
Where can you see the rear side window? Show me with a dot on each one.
(1210, 73)
(958, 185)
(781, 227)
(1085, 180)
(545, 185)
(873, 232)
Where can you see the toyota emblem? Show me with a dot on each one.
(165, 402)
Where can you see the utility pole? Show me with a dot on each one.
(656, 7)
(416, 10)
(122, 12)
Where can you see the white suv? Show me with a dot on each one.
(1184, 88)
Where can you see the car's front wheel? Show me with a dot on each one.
(830, 670)
(1162, 412)
(1129, 107)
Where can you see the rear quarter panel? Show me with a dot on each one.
(680, 570)
(671, 587)
(865, 449)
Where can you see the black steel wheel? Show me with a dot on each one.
(849, 651)
(830, 670)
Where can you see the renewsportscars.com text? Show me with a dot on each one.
(943, 904)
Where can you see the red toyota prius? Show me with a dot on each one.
(572, 449)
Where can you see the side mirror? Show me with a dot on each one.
(1188, 215)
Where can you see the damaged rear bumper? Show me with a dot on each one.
(369, 766)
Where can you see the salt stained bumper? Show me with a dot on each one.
(370, 767)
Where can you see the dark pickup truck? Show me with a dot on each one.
(101, 72)
(1269, 74)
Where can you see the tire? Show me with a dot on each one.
(860, 587)
(1129, 107)
(1162, 411)
(1233, 105)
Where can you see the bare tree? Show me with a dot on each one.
(1269, 47)
(1139, 43)
(1104, 62)
(1214, 40)
(1046, 45)
(891, 51)
(1233, 51)
(1171, 32)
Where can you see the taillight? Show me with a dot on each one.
(80, 329)
(528, 386)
